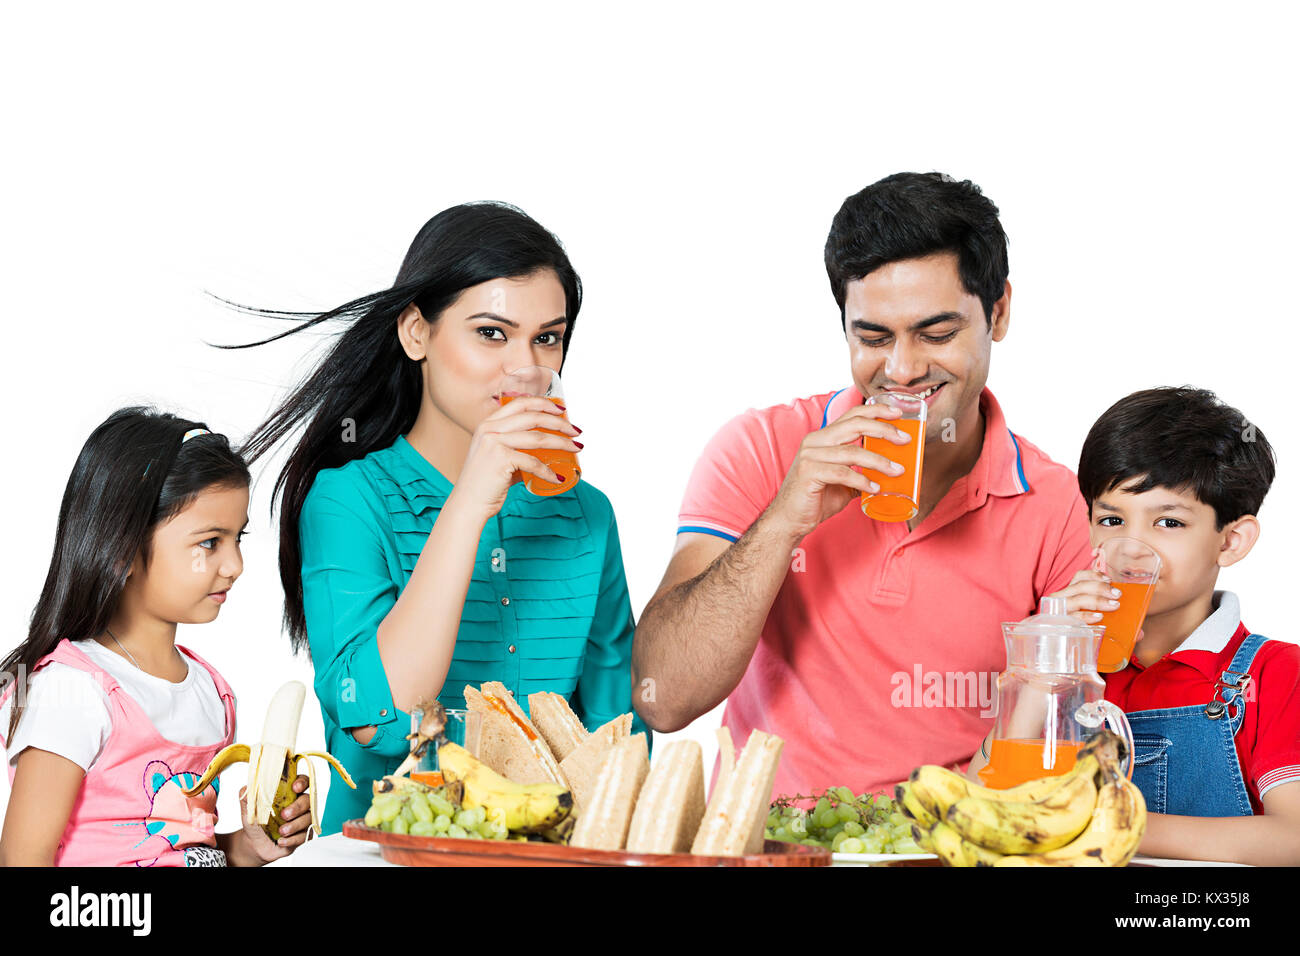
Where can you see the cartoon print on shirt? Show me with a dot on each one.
(184, 822)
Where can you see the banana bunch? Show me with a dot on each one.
(272, 764)
(523, 808)
(1090, 816)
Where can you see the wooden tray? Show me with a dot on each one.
(411, 850)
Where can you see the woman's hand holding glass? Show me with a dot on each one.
(499, 451)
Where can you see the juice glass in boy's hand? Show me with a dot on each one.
(899, 496)
(537, 380)
(1133, 569)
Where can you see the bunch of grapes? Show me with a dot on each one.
(430, 812)
(842, 822)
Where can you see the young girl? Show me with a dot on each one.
(105, 718)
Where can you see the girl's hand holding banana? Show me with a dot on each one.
(251, 846)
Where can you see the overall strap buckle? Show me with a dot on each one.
(1234, 683)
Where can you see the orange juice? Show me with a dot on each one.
(560, 461)
(899, 495)
(430, 778)
(1013, 762)
(1122, 625)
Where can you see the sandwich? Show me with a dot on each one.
(557, 723)
(582, 765)
(671, 805)
(738, 806)
(604, 822)
(509, 743)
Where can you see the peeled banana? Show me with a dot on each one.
(524, 808)
(273, 764)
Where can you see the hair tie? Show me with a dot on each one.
(194, 433)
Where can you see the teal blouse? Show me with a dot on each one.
(547, 607)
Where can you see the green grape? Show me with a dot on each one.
(854, 828)
(442, 822)
(441, 805)
(799, 827)
(853, 845)
(774, 819)
(905, 846)
(784, 835)
(822, 806)
(388, 809)
(497, 831)
(422, 828)
(408, 814)
(455, 830)
(897, 818)
(833, 832)
(480, 814)
(466, 820)
(839, 841)
(399, 824)
(844, 793)
(811, 842)
(484, 830)
(373, 819)
(421, 809)
(872, 844)
(846, 812)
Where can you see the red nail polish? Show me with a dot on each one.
(580, 444)
(577, 429)
(561, 477)
(561, 407)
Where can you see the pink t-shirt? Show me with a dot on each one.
(132, 810)
(882, 648)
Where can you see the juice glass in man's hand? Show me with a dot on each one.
(542, 382)
(899, 496)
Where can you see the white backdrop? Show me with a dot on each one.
(690, 160)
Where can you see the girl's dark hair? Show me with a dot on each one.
(909, 215)
(1180, 438)
(134, 473)
(366, 392)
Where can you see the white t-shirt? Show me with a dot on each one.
(67, 710)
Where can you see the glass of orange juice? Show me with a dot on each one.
(537, 380)
(899, 496)
(1133, 569)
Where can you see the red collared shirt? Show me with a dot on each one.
(1268, 743)
(882, 649)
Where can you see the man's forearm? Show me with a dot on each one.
(695, 640)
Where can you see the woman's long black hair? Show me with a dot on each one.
(366, 391)
(134, 472)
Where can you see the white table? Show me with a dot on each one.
(338, 850)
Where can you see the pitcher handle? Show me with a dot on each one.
(1098, 712)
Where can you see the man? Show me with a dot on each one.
(869, 646)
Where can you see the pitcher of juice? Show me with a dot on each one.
(1051, 699)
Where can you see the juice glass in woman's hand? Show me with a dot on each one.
(899, 496)
(542, 382)
(1133, 569)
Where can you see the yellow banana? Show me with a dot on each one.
(527, 808)
(954, 850)
(1111, 839)
(273, 764)
(938, 788)
(912, 807)
(1017, 826)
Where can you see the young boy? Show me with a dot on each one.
(1215, 709)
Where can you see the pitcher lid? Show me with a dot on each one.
(1053, 619)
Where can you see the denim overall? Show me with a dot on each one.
(1193, 747)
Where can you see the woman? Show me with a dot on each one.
(413, 561)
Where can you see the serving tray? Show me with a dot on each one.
(408, 850)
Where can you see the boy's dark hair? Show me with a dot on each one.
(909, 215)
(1181, 438)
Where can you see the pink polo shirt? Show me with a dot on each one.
(883, 646)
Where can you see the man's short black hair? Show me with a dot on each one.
(910, 215)
(1180, 438)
